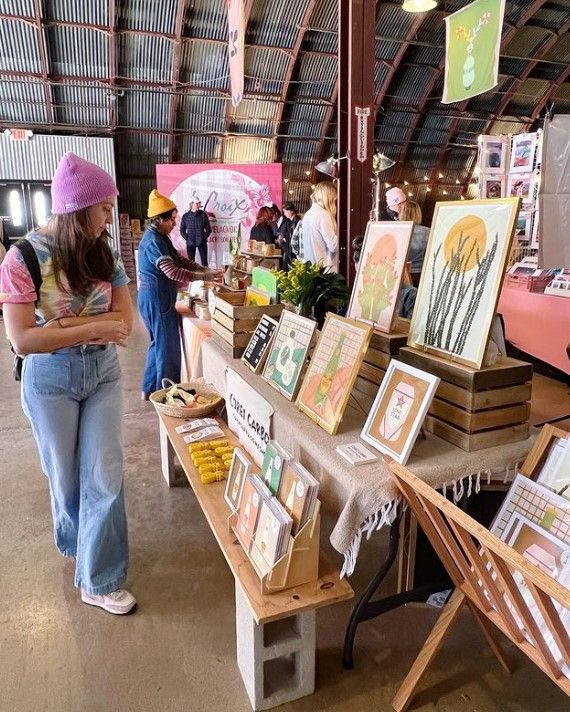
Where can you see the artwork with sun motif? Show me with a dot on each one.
(379, 276)
(399, 410)
(463, 270)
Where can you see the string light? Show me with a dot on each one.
(428, 189)
(386, 185)
(440, 175)
(444, 192)
(457, 181)
(285, 180)
(426, 178)
(307, 173)
(290, 192)
(406, 182)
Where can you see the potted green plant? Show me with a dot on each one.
(312, 289)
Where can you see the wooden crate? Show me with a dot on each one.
(234, 323)
(476, 408)
(393, 342)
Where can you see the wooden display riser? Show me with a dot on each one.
(476, 408)
(271, 629)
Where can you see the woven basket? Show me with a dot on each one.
(179, 411)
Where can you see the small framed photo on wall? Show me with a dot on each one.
(523, 152)
(492, 186)
(494, 154)
(521, 185)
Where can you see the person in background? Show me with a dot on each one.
(408, 293)
(195, 229)
(71, 377)
(162, 271)
(410, 210)
(276, 219)
(395, 199)
(262, 230)
(320, 239)
(286, 229)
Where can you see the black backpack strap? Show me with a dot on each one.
(32, 263)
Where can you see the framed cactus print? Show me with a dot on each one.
(381, 266)
(463, 271)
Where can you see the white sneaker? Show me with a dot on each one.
(118, 602)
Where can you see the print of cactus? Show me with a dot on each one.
(378, 282)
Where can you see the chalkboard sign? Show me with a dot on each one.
(258, 348)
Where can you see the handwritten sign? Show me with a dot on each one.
(249, 415)
(362, 115)
(258, 348)
(236, 32)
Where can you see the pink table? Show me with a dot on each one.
(193, 333)
(538, 324)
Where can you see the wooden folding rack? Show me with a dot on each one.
(482, 566)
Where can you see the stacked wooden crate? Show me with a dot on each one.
(382, 348)
(476, 408)
(233, 323)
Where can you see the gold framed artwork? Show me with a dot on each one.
(289, 350)
(380, 270)
(332, 371)
(463, 271)
(399, 410)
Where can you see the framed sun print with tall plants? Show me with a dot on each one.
(463, 271)
(379, 275)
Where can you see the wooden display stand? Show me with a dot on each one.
(482, 567)
(273, 633)
(234, 323)
(300, 565)
(381, 350)
(476, 408)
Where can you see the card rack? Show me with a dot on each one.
(299, 565)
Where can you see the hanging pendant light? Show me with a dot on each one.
(418, 5)
(381, 162)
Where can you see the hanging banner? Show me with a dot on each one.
(231, 195)
(362, 115)
(236, 33)
(472, 46)
(249, 415)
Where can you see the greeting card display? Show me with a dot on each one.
(380, 270)
(289, 351)
(298, 493)
(523, 152)
(464, 265)
(274, 459)
(271, 537)
(254, 491)
(333, 369)
(257, 350)
(266, 281)
(399, 409)
(239, 469)
(256, 297)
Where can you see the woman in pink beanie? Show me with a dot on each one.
(67, 331)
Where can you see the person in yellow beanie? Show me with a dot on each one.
(162, 271)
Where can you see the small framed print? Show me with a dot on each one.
(521, 185)
(538, 546)
(289, 350)
(333, 369)
(257, 350)
(492, 187)
(523, 152)
(535, 233)
(239, 470)
(523, 226)
(494, 155)
(399, 410)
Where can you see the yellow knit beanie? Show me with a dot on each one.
(158, 204)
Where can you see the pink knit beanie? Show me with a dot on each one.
(395, 196)
(78, 184)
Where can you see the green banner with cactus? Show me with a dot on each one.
(472, 46)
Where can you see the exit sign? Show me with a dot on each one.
(19, 134)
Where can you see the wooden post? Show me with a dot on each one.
(357, 24)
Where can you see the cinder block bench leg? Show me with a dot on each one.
(276, 660)
(166, 455)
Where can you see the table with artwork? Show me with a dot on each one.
(538, 324)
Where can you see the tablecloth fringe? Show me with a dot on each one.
(387, 513)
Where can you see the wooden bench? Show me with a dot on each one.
(271, 629)
(482, 567)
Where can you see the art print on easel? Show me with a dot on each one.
(333, 369)
(494, 153)
(523, 152)
(399, 410)
(289, 351)
(380, 271)
(464, 265)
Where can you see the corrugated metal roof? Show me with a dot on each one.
(23, 102)
(315, 76)
(145, 57)
(247, 150)
(275, 23)
(553, 15)
(198, 149)
(198, 112)
(145, 109)
(81, 105)
(560, 51)
(528, 92)
(263, 69)
(155, 16)
(324, 20)
(149, 150)
(254, 116)
(490, 101)
(93, 12)
(410, 82)
(18, 7)
(19, 44)
(301, 153)
(76, 51)
(304, 119)
(204, 64)
(527, 41)
(206, 18)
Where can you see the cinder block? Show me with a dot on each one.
(276, 660)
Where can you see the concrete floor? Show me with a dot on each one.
(177, 652)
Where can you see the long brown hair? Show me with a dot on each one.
(77, 253)
(264, 216)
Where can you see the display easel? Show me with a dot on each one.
(482, 568)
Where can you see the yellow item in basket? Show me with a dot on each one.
(210, 477)
(223, 450)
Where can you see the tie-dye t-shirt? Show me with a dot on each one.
(17, 286)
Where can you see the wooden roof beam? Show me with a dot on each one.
(43, 60)
(176, 52)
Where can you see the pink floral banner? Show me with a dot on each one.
(236, 33)
(230, 194)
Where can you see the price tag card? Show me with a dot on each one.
(196, 424)
(205, 434)
(356, 453)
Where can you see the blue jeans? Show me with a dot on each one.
(73, 400)
(156, 306)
